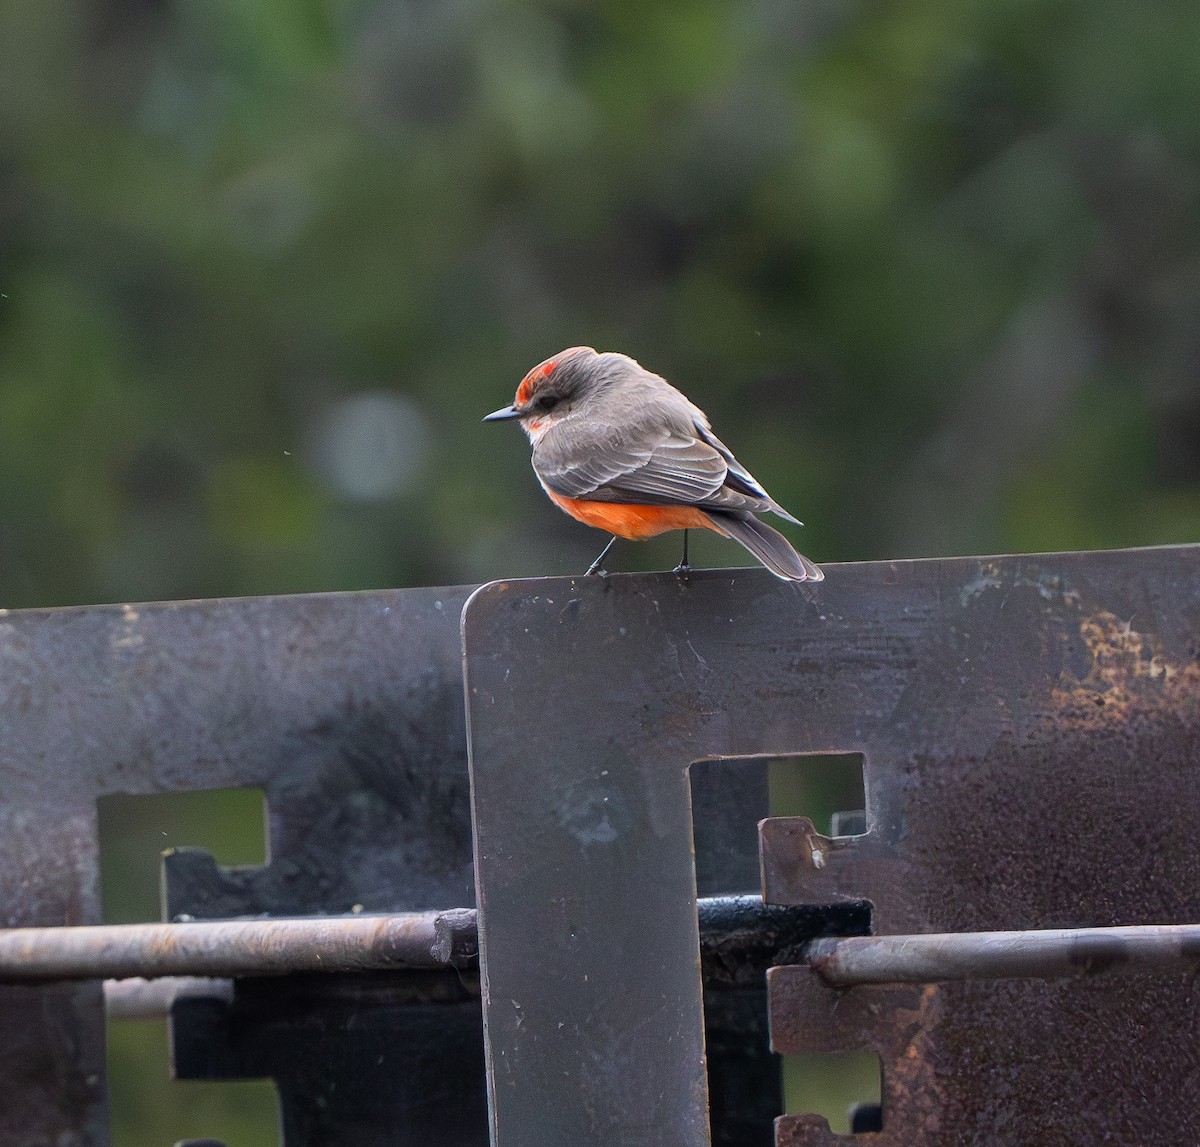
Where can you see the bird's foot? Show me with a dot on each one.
(684, 568)
(597, 567)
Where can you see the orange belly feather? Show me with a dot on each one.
(633, 522)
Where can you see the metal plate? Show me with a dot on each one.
(1037, 769)
(1020, 698)
(588, 700)
(346, 709)
(364, 1060)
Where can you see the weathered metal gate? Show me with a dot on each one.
(1029, 728)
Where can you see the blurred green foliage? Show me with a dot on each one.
(147, 1109)
(136, 830)
(933, 268)
(816, 786)
(830, 1085)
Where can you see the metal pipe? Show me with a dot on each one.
(1039, 954)
(141, 999)
(743, 932)
(738, 930)
(233, 947)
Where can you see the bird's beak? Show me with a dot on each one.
(503, 415)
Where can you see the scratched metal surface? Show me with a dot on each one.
(1037, 770)
(346, 709)
(1029, 727)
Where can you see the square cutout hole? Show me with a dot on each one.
(146, 1106)
(827, 788)
(136, 830)
(844, 1087)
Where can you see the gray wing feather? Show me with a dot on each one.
(768, 545)
(736, 470)
(664, 467)
(740, 478)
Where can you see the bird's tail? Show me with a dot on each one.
(768, 545)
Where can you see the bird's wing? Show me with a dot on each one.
(650, 464)
(739, 479)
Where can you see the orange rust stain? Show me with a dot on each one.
(1130, 673)
(1121, 654)
(633, 522)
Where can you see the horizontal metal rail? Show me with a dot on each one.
(743, 935)
(139, 999)
(736, 932)
(1038, 954)
(233, 948)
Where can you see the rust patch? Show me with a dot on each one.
(1030, 730)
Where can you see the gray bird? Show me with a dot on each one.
(621, 449)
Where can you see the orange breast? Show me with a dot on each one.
(633, 522)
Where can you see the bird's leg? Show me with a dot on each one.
(684, 568)
(597, 567)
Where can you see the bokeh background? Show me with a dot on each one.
(932, 267)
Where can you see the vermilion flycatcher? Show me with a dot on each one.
(621, 449)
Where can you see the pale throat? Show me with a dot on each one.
(536, 427)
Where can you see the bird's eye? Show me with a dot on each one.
(547, 402)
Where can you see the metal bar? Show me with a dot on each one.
(228, 948)
(1040, 954)
(140, 999)
(738, 929)
(739, 935)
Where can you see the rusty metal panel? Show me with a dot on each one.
(1029, 728)
(1038, 770)
(346, 709)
